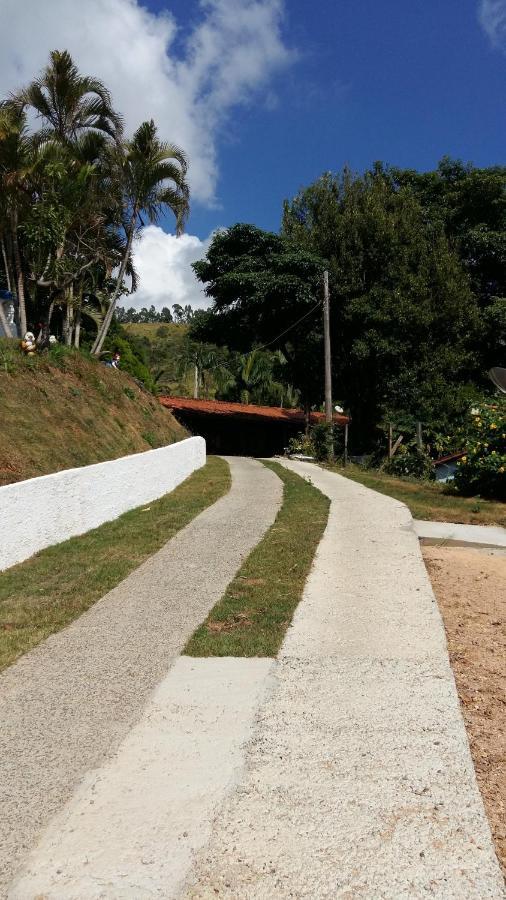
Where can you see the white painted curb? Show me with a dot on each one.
(43, 511)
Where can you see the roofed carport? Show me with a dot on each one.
(242, 428)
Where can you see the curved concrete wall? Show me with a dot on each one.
(42, 511)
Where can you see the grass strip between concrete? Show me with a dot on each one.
(429, 500)
(45, 593)
(252, 617)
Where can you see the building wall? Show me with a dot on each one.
(42, 511)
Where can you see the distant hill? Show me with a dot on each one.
(161, 345)
(62, 410)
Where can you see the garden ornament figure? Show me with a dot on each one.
(28, 344)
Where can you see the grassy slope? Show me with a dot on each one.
(45, 593)
(429, 500)
(61, 411)
(252, 617)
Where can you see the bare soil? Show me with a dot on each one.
(470, 586)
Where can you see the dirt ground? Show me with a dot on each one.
(470, 586)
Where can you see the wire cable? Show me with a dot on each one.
(290, 328)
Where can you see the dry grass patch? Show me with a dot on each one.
(252, 617)
(45, 593)
(65, 410)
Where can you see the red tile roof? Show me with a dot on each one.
(246, 411)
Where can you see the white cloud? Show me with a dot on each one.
(232, 51)
(492, 16)
(163, 264)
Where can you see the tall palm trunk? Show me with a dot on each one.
(77, 330)
(69, 316)
(20, 282)
(7, 266)
(3, 319)
(106, 324)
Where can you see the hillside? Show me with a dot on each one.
(64, 410)
(162, 345)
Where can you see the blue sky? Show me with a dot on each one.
(265, 95)
(404, 82)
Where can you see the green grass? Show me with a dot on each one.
(45, 593)
(429, 500)
(258, 605)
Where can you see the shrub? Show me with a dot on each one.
(130, 362)
(483, 468)
(316, 442)
(410, 461)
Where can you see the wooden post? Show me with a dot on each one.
(390, 439)
(345, 460)
(196, 382)
(419, 436)
(397, 444)
(328, 363)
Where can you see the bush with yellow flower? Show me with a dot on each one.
(483, 468)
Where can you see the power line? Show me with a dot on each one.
(269, 344)
(290, 328)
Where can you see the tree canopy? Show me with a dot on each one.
(407, 319)
(262, 286)
(403, 313)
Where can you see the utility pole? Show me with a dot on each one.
(328, 367)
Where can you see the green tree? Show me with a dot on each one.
(402, 312)
(57, 213)
(149, 176)
(470, 204)
(16, 161)
(69, 103)
(261, 287)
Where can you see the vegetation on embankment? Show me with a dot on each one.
(252, 617)
(45, 593)
(427, 499)
(61, 409)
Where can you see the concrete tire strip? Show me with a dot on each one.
(67, 705)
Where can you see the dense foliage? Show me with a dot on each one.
(403, 313)
(417, 283)
(483, 469)
(261, 285)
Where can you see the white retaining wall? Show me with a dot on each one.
(42, 511)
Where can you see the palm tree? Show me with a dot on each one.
(68, 102)
(15, 164)
(77, 116)
(256, 374)
(150, 175)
